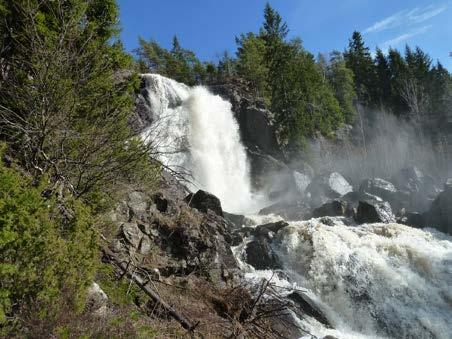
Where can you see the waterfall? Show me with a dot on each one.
(195, 130)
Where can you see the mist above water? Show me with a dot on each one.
(380, 145)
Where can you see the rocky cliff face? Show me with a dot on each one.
(256, 123)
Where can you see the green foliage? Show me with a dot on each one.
(359, 60)
(342, 81)
(251, 63)
(67, 97)
(290, 82)
(46, 256)
(178, 63)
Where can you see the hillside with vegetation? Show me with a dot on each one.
(85, 198)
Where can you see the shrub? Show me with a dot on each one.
(47, 255)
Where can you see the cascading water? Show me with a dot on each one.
(370, 281)
(379, 280)
(196, 130)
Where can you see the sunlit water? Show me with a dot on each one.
(370, 281)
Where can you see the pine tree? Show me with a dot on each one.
(273, 28)
(65, 96)
(359, 60)
(341, 79)
(251, 62)
(399, 72)
(383, 80)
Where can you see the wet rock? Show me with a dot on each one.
(417, 190)
(440, 213)
(274, 227)
(239, 235)
(408, 179)
(355, 197)
(288, 209)
(260, 255)
(326, 187)
(332, 209)
(374, 211)
(204, 201)
(413, 219)
(235, 219)
(308, 307)
(379, 187)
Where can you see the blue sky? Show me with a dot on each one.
(208, 27)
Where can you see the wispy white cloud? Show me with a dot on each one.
(406, 17)
(403, 37)
(418, 15)
(386, 23)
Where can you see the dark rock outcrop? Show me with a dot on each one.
(373, 211)
(260, 255)
(288, 209)
(417, 189)
(204, 201)
(413, 219)
(334, 208)
(308, 307)
(266, 229)
(440, 213)
(379, 187)
(181, 239)
(237, 220)
(255, 122)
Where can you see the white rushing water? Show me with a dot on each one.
(370, 281)
(196, 130)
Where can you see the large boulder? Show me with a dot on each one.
(334, 208)
(204, 201)
(379, 187)
(440, 213)
(182, 240)
(289, 209)
(418, 189)
(260, 255)
(413, 219)
(374, 211)
(308, 307)
(270, 228)
(327, 187)
(386, 191)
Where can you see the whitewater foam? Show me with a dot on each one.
(196, 130)
(379, 280)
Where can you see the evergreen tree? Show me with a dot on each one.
(382, 93)
(399, 72)
(65, 98)
(341, 79)
(251, 62)
(178, 63)
(228, 67)
(359, 60)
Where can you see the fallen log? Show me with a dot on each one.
(143, 285)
